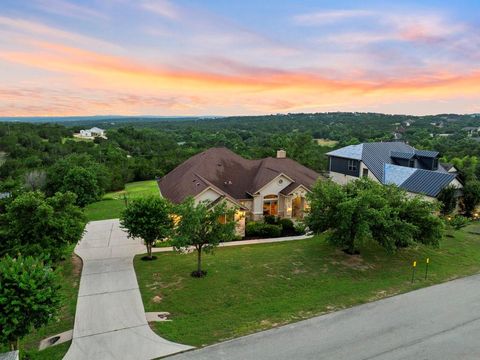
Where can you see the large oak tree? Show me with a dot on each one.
(364, 210)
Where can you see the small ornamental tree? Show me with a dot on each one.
(29, 297)
(38, 226)
(203, 227)
(448, 200)
(148, 218)
(471, 197)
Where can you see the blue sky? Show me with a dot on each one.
(238, 57)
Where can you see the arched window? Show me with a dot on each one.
(298, 207)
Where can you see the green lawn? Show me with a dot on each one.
(113, 203)
(326, 142)
(70, 271)
(256, 287)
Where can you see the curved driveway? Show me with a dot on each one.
(110, 321)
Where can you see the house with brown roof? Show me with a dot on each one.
(271, 186)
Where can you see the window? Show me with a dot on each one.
(270, 205)
(435, 164)
(411, 163)
(352, 165)
(365, 172)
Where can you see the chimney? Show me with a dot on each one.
(281, 154)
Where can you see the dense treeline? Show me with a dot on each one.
(46, 157)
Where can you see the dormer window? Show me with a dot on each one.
(352, 165)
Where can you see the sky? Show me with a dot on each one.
(238, 57)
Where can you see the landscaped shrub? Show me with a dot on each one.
(300, 228)
(458, 221)
(161, 244)
(287, 225)
(262, 230)
(270, 219)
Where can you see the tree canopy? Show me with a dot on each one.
(471, 197)
(38, 226)
(148, 218)
(364, 210)
(144, 148)
(29, 297)
(203, 227)
(448, 200)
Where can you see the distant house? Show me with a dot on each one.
(416, 171)
(438, 124)
(472, 130)
(93, 132)
(271, 186)
(450, 168)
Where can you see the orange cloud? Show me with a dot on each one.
(124, 86)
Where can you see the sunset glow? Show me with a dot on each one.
(147, 57)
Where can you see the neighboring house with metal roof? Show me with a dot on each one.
(270, 186)
(450, 168)
(416, 171)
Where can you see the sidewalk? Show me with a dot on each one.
(245, 242)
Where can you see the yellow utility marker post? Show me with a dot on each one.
(413, 270)
(426, 268)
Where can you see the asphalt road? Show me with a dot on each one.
(439, 322)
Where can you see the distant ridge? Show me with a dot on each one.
(96, 118)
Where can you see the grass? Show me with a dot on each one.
(70, 271)
(76, 139)
(257, 287)
(113, 203)
(326, 142)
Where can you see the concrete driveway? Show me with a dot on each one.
(439, 322)
(110, 318)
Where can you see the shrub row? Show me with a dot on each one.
(261, 229)
(273, 227)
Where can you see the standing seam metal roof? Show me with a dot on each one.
(427, 182)
(378, 159)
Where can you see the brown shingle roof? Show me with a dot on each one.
(230, 173)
